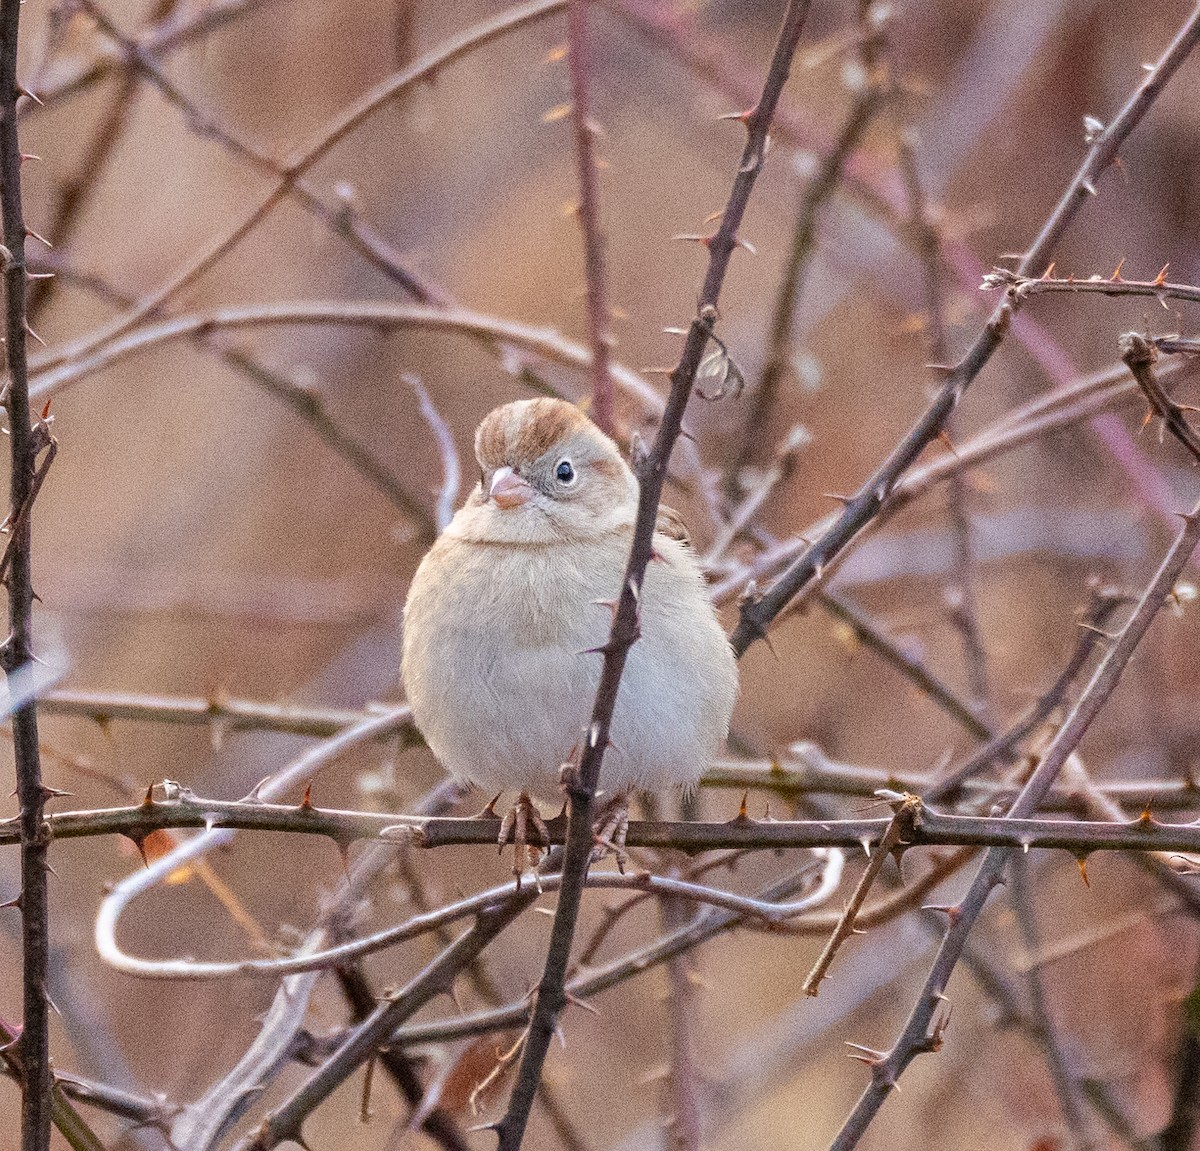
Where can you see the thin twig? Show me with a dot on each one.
(222, 712)
(447, 453)
(585, 130)
(896, 836)
(1074, 1107)
(684, 1132)
(1020, 286)
(963, 598)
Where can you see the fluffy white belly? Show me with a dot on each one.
(502, 689)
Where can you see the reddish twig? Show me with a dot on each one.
(585, 131)
(1021, 287)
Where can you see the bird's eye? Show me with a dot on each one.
(565, 472)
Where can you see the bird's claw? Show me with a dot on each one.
(611, 827)
(515, 827)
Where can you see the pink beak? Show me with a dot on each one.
(508, 489)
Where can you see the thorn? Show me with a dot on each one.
(845, 501)
(1048, 274)
(950, 910)
(869, 1056)
(1115, 278)
(148, 801)
(489, 812)
(583, 1003)
(739, 117)
(1081, 860)
(41, 239)
(34, 335)
(139, 842)
(306, 802)
(1089, 188)
(22, 91)
(14, 902)
(1161, 278)
(694, 238)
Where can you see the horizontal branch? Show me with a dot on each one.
(930, 828)
(1021, 287)
(378, 314)
(218, 710)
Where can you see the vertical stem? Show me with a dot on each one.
(599, 319)
(17, 649)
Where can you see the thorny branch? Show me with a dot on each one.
(27, 439)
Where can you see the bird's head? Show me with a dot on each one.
(547, 473)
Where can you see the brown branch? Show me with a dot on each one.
(598, 315)
(1140, 356)
(930, 829)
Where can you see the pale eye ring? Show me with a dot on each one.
(565, 472)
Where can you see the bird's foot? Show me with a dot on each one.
(515, 828)
(610, 829)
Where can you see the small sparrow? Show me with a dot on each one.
(505, 605)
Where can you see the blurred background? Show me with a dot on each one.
(198, 537)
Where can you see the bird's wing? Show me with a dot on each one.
(670, 524)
